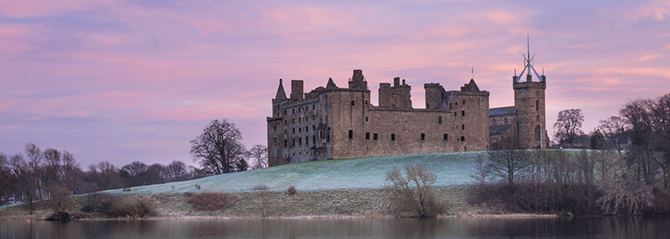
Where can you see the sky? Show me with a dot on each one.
(123, 81)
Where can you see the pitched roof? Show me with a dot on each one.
(502, 111)
(496, 129)
(281, 95)
(331, 84)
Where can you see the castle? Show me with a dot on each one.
(334, 122)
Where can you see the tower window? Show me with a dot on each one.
(367, 135)
(275, 141)
(462, 138)
(463, 112)
(537, 105)
(374, 136)
(392, 137)
(285, 143)
(537, 133)
(439, 119)
(445, 137)
(366, 119)
(352, 103)
(455, 114)
(351, 134)
(423, 136)
(463, 127)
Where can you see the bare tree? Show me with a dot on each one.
(508, 162)
(177, 171)
(134, 173)
(218, 148)
(259, 153)
(482, 170)
(414, 191)
(615, 130)
(104, 176)
(35, 157)
(568, 126)
(7, 179)
(26, 180)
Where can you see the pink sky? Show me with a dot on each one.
(137, 80)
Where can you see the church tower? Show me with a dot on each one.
(529, 102)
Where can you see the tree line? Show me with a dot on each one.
(626, 173)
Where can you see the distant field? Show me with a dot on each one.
(452, 169)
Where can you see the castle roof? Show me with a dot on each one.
(497, 129)
(281, 95)
(331, 84)
(501, 111)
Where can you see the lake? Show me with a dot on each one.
(597, 227)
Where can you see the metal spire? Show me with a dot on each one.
(528, 61)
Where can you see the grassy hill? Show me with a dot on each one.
(451, 169)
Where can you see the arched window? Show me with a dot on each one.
(537, 133)
(537, 105)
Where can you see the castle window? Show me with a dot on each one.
(300, 141)
(275, 141)
(306, 118)
(293, 110)
(351, 134)
(367, 135)
(314, 139)
(537, 133)
(462, 127)
(462, 138)
(352, 103)
(439, 119)
(284, 112)
(445, 137)
(299, 119)
(423, 136)
(292, 121)
(293, 142)
(449, 105)
(505, 120)
(455, 114)
(299, 109)
(275, 128)
(392, 137)
(537, 105)
(462, 112)
(285, 143)
(366, 119)
(537, 118)
(456, 103)
(427, 106)
(306, 128)
(464, 101)
(307, 140)
(294, 130)
(366, 102)
(374, 136)
(313, 127)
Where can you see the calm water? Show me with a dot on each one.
(346, 228)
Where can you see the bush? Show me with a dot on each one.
(98, 202)
(116, 206)
(131, 207)
(209, 201)
(413, 193)
(292, 190)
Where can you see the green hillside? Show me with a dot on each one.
(452, 169)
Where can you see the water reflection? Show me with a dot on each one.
(609, 227)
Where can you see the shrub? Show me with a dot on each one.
(414, 191)
(98, 202)
(209, 201)
(292, 190)
(261, 198)
(131, 207)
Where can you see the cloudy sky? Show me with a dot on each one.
(124, 80)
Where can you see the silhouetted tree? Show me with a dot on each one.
(615, 130)
(133, 173)
(568, 126)
(508, 162)
(218, 148)
(177, 171)
(259, 153)
(104, 176)
(597, 140)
